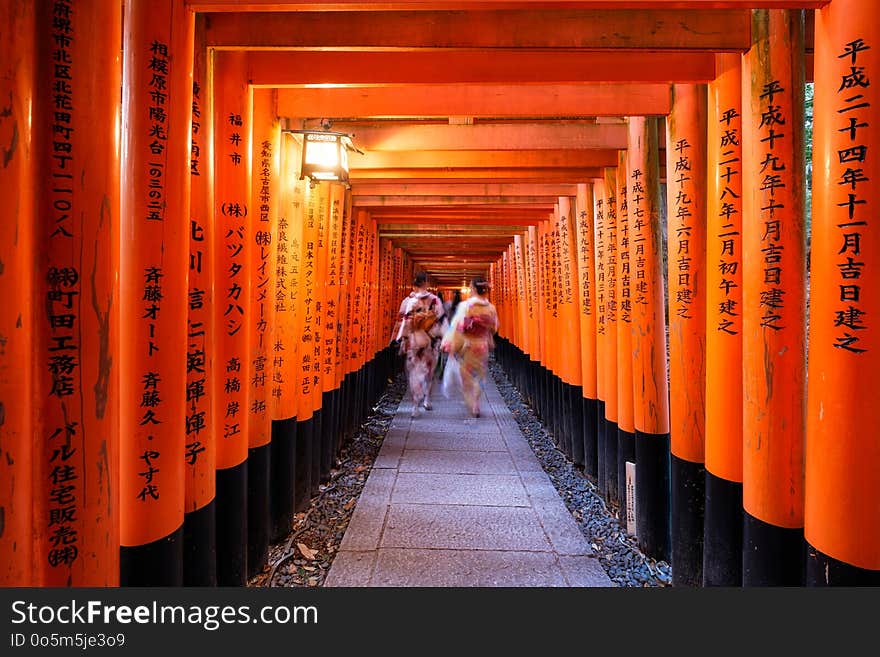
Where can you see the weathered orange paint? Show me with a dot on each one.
(233, 213)
(842, 450)
(154, 262)
(585, 242)
(651, 405)
(724, 437)
(686, 199)
(201, 423)
(624, 355)
(17, 88)
(600, 254)
(612, 266)
(773, 271)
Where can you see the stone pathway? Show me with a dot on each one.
(459, 501)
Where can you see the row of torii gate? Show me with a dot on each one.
(190, 332)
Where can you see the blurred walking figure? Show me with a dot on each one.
(419, 333)
(469, 341)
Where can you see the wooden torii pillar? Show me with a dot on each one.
(842, 523)
(157, 111)
(650, 393)
(773, 300)
(686, 228)
(586, 261)
(722, 537)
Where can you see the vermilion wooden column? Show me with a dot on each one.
(199, 526)
(17, 88)
(686, 194)
(626, 436)
(722, 537)
(556, 412)
(534, 283)
(585, 239)
(331, 376)
(773, 300)
(570, 316)
(842, 523)
(154, 263)
(601, 307)
(232, 283)
(307, 329)
(612, 264)
(264, 141)
(650, 392)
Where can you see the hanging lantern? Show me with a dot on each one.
(325, 155)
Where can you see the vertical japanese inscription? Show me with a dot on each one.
(728, 245)
(263, 239)
(63, 302)
(853, 109)
(683, 213)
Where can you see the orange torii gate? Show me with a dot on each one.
(175, 409)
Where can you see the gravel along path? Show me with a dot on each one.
(618, 553)
(305, 556)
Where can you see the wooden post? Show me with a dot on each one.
(570, 327)
(601, 308)
(651, 410)
(686, 194)
(722, 537)
(199, 525)
(232, 317)
(842, 523)
(626, 436)
(612, 264)
(584, 233)
(17, 446)
(153, 268)
(263, 228)
(773, 300)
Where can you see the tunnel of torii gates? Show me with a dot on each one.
(190, 332)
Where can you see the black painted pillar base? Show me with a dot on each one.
(723, 532)
(626, 452)
(328, 443)
(652, 494)
(823, 570)
(611, 462)
(590, 438)
(565, 419)
(159, 563)
(688, 512)
(258, 480)
(772, 556)
(302, 494)
(283, 477)
(200, 547)
(317, 448)
(601, 471)
(232, 492)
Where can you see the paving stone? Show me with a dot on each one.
(456, 462)
(365, 529)
(351, 569)
(452, 568)
(379, 485)
(485, 490)
(527, 463)
(463, 425)
(584, 571)
(538, 485)
(479, 442)
(463, 528)
(562, 530)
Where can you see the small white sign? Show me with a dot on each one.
(630, 498)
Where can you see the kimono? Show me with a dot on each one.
(469, 340)
(421, 347)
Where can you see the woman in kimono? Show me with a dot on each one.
(470, 339)
(419, 332)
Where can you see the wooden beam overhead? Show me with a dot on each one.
(494, 136)
(502, 66)
(674, 29)
(427, 100)
(525, 159)
(569, 175)
(485, 201)
(471, 5)
(466, 221)
(361, 188)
